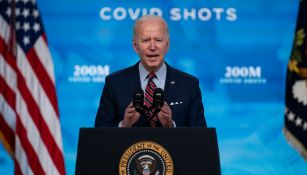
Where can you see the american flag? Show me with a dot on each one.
(29, 118)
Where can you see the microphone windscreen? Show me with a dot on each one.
(138, 99)
(158, 98)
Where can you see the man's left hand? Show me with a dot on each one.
(165, 116)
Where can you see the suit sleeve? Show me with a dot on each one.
(106, 110)
(196, 109)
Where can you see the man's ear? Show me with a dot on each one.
(135, 47)
(168, 44)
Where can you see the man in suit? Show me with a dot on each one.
(183, 102)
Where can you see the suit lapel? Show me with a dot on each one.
(134, 78)
(170, 84)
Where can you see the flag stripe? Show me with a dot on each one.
(21, 158)
(43, 78)
(44, 57)
(7, 102)
(8, 58)
(31, 157)
(49, 141)
(17, 168)
(36, 92)
(34, 136)
(7, 73)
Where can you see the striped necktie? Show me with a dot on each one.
(149, 91)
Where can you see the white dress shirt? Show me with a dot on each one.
(159, 81)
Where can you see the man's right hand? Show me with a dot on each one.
(131, 116)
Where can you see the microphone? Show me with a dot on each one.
(158, 99)
(138, 101)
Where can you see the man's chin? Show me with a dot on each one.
(153, 66)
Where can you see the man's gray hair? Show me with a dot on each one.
(148, 18)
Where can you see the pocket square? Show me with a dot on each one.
(176, 103)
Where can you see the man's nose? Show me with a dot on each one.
(152, 45)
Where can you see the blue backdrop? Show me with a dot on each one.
(239, 50)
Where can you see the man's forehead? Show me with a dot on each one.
(150, 18)
(151, 34)
(151, 24)
(151, 28)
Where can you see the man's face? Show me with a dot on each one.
(151, 43)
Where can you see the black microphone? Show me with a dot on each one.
(138, 101)
(158, 99)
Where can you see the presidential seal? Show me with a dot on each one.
(146, 158)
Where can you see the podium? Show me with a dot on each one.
(181, 151)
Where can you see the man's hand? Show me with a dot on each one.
(165, 116)
(131, 116)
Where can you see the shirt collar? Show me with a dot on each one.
(160, 73)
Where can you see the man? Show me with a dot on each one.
(183, 102)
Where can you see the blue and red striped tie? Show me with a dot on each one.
(149, 91)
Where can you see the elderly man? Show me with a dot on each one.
(183, 102)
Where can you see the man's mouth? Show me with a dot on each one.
(153, 55)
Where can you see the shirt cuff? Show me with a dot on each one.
(120, 125)
(174, 124)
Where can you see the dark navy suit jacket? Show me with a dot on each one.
(181, 92)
